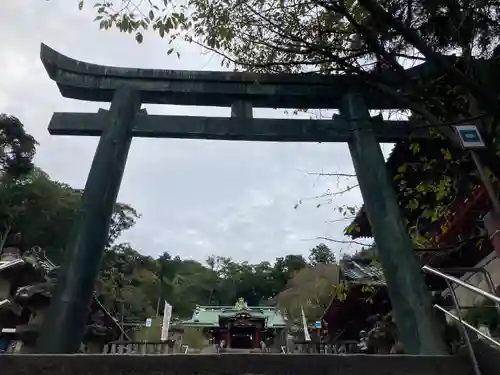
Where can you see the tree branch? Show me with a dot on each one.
(343, 241)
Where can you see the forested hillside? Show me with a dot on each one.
(141, 283)
(42, 210)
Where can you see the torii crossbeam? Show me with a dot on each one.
(127, 89)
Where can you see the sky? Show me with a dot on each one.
(196, 197)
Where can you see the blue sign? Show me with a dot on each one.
(149, 321)
(469, 136)
(317, 324)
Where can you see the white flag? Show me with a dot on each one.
(307, 337)
(167, 315)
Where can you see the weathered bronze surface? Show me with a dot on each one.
(409, 296)
(234, 128)
(80, 80)
(69, 308)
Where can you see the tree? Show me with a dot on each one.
(39, 208)
(124, 217)
(312, 289)
(194, 338)
(17, 148)
(321, 254)
(128, 283)
(43, 211)
(284, 269)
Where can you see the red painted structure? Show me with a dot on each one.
(462, 214)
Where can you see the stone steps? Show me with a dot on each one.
(233, 364)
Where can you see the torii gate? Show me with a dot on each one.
(127, 89)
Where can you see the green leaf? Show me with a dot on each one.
(415, 147)
(169, 52)
(80, 4)
(447, 154)
(402, 168)
(412, 205)
(139, 38)
(151, 15)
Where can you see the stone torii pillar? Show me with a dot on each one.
(76, 280)
(409, 296)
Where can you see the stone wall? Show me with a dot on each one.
(233, 364)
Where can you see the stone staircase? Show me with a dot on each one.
(234, 364)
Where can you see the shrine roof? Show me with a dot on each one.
(208, 316)
(204, 316)
(21, 270)
(356, 272)
(251, 313)
(340, 314)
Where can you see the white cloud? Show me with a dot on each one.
(197, 198)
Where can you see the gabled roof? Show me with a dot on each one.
(354, 309)
(205, 316)
(208, 316)
(276, 319)
(363, 274)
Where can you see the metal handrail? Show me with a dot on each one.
(471, 327)
(12, 263)
(455, 280)
(474, 270)
(463, 324)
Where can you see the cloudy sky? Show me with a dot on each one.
(196, 198)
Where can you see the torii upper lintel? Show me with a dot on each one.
(92, 82)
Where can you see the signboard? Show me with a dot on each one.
(317, 324)
(470, 136)
(149, 321)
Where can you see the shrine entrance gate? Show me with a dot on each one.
(127, 89)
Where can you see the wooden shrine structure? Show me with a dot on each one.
(240, 326)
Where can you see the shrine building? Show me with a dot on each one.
(240, 326)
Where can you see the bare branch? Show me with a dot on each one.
(331, 174)
(349, 242)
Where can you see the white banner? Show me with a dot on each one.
(307, 337)
(167, 315)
